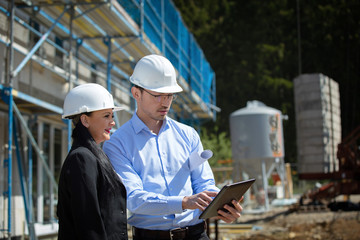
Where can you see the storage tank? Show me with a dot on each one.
(257, 145)
(256, 133)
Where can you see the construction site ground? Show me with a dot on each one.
(286, 223)
(280, 223)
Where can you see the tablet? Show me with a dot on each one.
(228, 193)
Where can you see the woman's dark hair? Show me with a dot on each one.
(82, 136)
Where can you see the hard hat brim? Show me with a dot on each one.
(172, 89)
(167, 89)
(68, 116)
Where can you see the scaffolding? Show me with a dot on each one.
(51, 46)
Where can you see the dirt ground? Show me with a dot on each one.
(282, 224)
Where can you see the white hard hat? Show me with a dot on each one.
(87, 97)
(155, 73)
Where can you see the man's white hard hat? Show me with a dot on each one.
(155, 73)
(87, 97)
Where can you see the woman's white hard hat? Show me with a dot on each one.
(87, 97)
(155, 73)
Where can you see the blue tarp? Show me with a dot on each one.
(165, 28)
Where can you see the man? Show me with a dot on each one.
(151, 154)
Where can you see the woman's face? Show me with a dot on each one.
(99, 124)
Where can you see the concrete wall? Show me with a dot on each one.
(318, 123)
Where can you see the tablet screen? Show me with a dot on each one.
(228, 193)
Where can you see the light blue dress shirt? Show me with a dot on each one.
(156, 172)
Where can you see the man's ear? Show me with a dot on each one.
(84, 120)
(136, 93)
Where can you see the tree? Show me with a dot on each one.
(253, 48)
(246, 51)
(218, 143)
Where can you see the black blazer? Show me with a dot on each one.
(87, 208)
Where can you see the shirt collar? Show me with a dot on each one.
(139, 125)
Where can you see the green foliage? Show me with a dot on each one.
(219, 144)
(253, 47)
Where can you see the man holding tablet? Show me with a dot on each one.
(151, 152)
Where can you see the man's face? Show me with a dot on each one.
(152, 105)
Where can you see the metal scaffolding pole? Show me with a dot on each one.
(107, 42)
(35, 145)
(10, 56)
(70, 48)
(37, 45)
(70, 81)
(8, 98)
(265, 184)
(24, 189)
(29, 181)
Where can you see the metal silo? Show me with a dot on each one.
(257, 144)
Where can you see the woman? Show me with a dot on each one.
(92, 198)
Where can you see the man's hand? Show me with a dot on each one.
(200, 200)
(232, 212)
